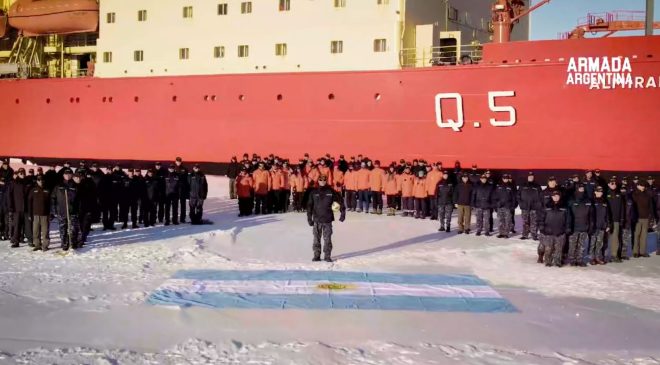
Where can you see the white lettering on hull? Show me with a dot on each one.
(606, 73)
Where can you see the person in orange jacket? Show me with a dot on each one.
(245, 192)
(364, 193)
(298, 186)
(262, 185)
(277, 177)
(420, 192)
(391, 189)
(350, 183)
(407, 184)
(326, 171)
(339, 181)
(377, 186)
(312, 175)
(432, 179)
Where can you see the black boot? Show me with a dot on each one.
(316, 258)
(447, 230)
(327, 258)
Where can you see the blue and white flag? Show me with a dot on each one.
(329, 290)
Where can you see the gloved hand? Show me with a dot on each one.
(342, 217)
(311, 222)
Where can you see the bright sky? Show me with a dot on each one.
(562, 15)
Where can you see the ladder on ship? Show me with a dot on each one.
(27, 55)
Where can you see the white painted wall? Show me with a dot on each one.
(308, 28)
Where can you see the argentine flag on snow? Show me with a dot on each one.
(329, 290)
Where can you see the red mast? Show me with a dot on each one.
(506, 14)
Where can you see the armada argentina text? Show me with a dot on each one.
(606, 73)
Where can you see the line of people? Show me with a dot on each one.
(29, 200)
(599, 214)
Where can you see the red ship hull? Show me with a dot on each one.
(386, 115)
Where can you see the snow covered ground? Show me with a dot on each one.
(90, 307)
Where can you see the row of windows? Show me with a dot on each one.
(380, 45)
(223, 9)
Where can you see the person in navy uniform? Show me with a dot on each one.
(616, 202)
(172, 193)
(445, 196)
(582, 226)
(554, 226)
(529, 197)
(504, 199)
(198, 191)
(39, 209)
(17, 193)
(151, 197)
(320, 216)
(602, 225)
(64, 206)
(184, 189)
(482, 203)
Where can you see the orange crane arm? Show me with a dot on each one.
(610, 28)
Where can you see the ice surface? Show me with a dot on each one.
(89, 307)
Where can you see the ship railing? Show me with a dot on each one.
(441, 56)
(596, 19)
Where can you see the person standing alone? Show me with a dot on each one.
(320, 215)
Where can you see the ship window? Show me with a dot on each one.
(337, 47)
(246, 7)
(138, 56)
(280, 49)
(340, 3)
(187, 11)
(219, 52)
(222, 9)
(243, 51)
(184, 53)
(110, 17)
(382, 2)
(142, 15)
(380, 45)
(452, 13)
(107, 57)
(285, 5)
